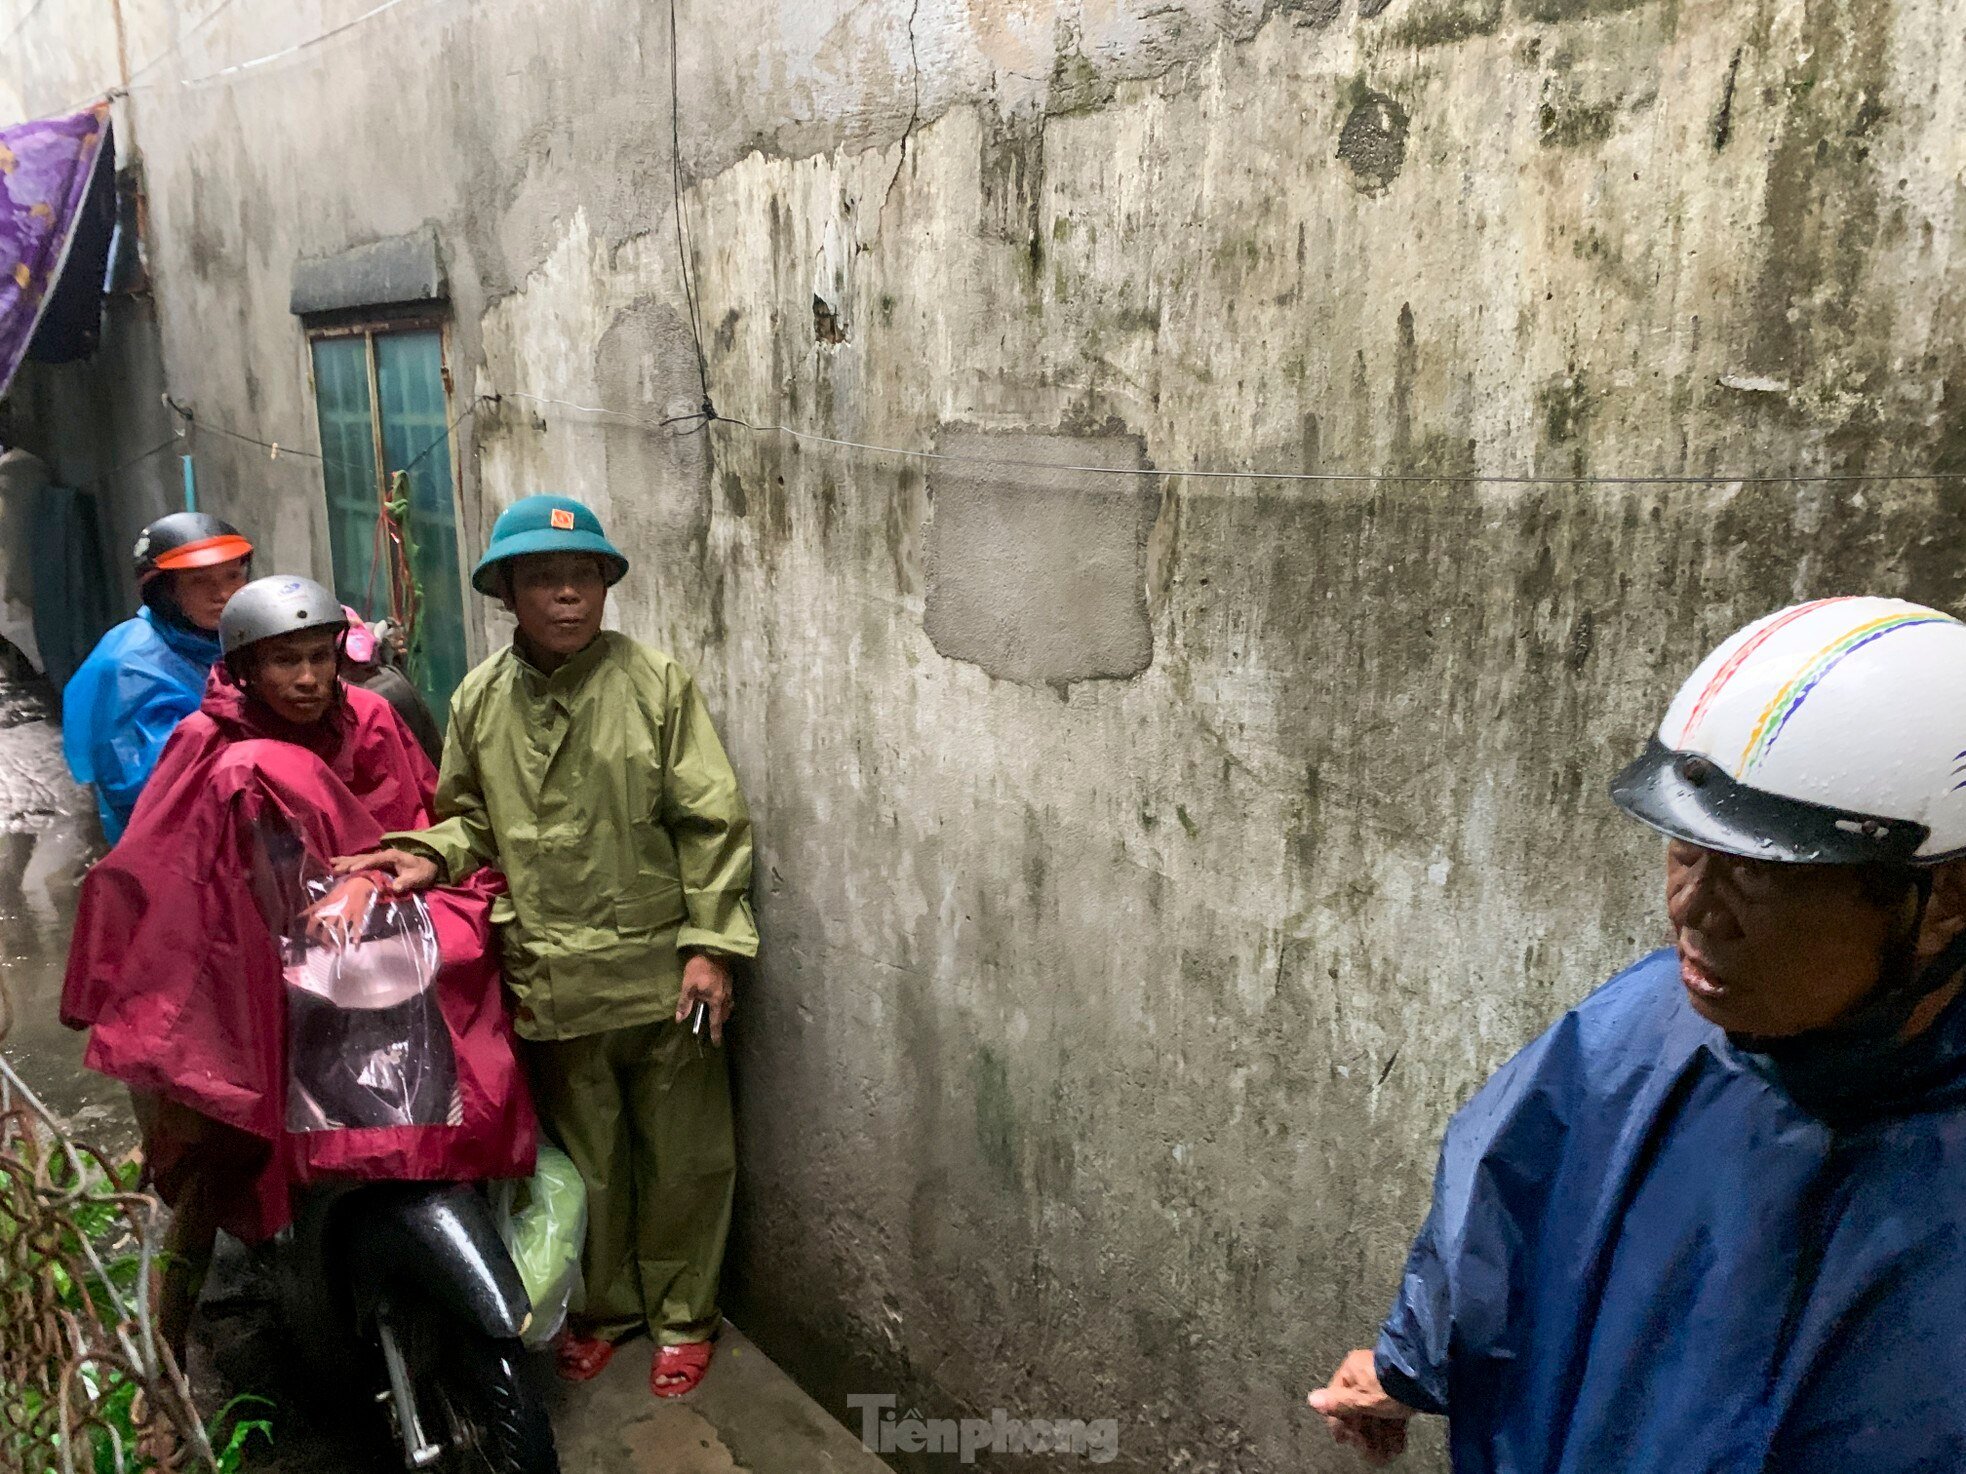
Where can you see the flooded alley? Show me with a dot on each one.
(48, 836)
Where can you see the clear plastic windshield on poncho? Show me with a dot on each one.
(367, 1045)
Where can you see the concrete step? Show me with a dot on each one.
(747, 1415)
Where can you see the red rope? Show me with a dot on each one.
(387, 549)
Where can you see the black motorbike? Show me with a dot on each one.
(402, 1291)
(405, 1292)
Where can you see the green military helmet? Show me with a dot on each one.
(545, 524)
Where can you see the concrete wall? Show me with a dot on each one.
(1148, 866)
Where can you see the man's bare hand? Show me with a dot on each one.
(1358, 1411)
(706, 980)
(406, 872)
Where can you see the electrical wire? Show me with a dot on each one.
(595, 409)
(135, 460)
(389, 550)
(698, 421)
(279, 448)
(1375, 477)
(224, 73)
(1392, 478)
(470, 409)
(285, 51)
(684, 246)
(206, 427)
(172, 50)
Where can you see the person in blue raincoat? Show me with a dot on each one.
(1715, 1218)
(148, 673)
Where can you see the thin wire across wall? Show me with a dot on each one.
(278, 448)
(664, 426)
(231, 72)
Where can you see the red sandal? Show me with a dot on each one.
(677, 1370)
(580, 1358)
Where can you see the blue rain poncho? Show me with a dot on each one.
(1644, 1255)
(143, 678)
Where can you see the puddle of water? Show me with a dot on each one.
(48, 838)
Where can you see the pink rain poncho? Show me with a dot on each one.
(199, 969)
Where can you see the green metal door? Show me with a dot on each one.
(409, 371)
(401, 374)
(341, 391)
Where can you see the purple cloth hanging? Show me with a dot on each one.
(45, 170)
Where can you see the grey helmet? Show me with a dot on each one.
(280, 605)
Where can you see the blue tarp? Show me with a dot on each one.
(1645, 1256)
(141, 680)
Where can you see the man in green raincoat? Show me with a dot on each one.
(585, 766)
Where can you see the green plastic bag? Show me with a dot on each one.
(544, 1224)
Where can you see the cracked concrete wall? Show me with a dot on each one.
(1107, 1026)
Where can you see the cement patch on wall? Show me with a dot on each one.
(1039, 576)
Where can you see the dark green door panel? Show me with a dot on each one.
(415, 419)
(341, 390)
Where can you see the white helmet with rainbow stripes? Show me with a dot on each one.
(1830, 733)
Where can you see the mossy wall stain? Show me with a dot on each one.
(1448, 22)
(1563, 10)
(1822, 201)
(1566, 405)
(1562, 123)
(1372, 142)
(996, 1117)
(1315, 14)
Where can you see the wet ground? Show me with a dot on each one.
(48, 837)
(746, 1415)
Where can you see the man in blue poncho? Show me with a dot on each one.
(1715, 1219)
(148, 673)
